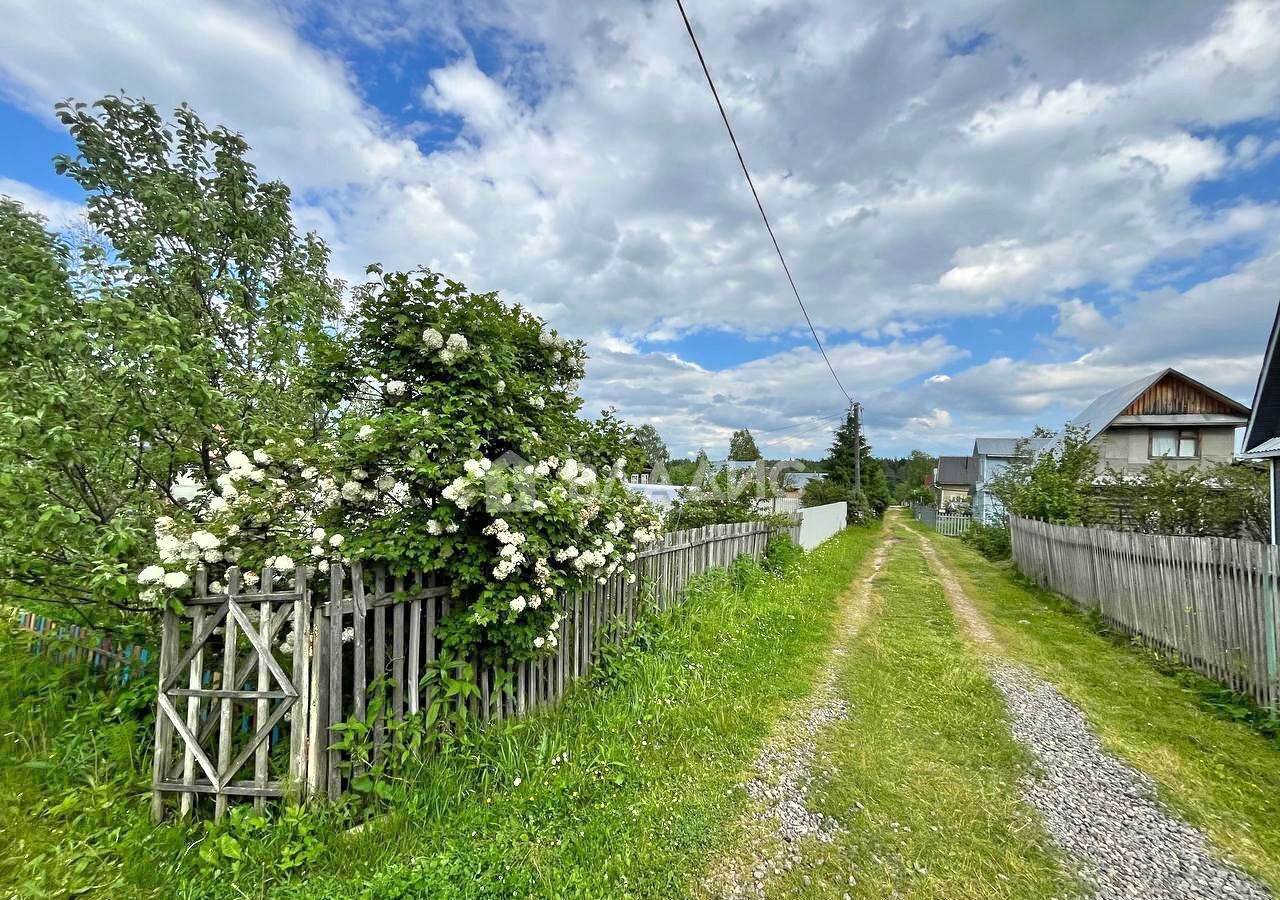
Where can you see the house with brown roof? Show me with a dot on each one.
(1166, 416)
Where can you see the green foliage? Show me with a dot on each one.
(822, 491)
(652, 448)
(627, 788)
(906, 476)
(74, 767)
(1223, 500)
(1055, 485)
(992, 541)
(127, 359)
(455, 447)
(723, 498)
(742, 446)
(872, 497)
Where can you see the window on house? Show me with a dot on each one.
(1175, 443)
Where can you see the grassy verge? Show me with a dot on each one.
(622, 791)
(924, 772)
(1221, 775)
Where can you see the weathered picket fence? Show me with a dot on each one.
(252, 682)
(1208, 602)
(944, 523)
(75, 643)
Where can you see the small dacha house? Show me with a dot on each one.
(1166, 416)
(953, 482)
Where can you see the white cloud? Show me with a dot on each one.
(58, 213)
(592, 180)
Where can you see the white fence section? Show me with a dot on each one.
(817, 523)
(943, 523)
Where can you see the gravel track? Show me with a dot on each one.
(1102, 812)
(779, 819)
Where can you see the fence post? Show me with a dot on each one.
(1269, 618)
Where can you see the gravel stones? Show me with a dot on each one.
(779, 819)
(1103, 812)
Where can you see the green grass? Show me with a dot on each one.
(1220, 774)
(642, 802)
(924, 773)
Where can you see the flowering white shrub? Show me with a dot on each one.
(458, 449)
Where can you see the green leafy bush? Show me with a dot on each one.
(992, 541)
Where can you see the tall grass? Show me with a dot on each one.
(623, 790)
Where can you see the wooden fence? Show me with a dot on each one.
(943, 523)
(74, 643)
(1208, 602)
(252, 682)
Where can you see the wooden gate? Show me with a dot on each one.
(234, 694)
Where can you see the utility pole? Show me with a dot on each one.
(857, 445)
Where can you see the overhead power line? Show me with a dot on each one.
(760, 206)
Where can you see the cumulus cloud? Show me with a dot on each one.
(585, 173)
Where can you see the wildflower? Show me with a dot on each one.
(151, 575)
(176, 580)
(433, 339)
(365, 432)
(518, 781)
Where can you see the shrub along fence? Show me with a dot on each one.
(1208, 602)
(264, 692)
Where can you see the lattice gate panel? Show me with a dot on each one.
(233, 670)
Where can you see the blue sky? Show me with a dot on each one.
(994, 211)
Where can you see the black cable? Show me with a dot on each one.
(760, 206)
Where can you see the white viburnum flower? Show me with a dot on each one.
(205, 540)
(151, 575)
(447, 356)
(457, 343)
(396, 388)
(336, 541)
(538, 642)
(365, 432)
(262, 457)
(432, 339)
(175, 580)
(317, 535)
(237, 460)
(518, 604)
(250, 578)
